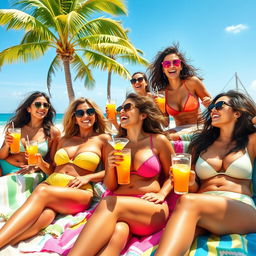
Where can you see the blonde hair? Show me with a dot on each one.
(70, 126)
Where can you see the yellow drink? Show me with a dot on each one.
(16, 134)
(181, 178)
(119, 146)
(32, 150)
(161, 103)
(123, 170)
(111, 110)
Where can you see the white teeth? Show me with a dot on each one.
(86, 121)
(215, 116)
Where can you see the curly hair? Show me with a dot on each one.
(22, 117)
(243, 127)
(69, 121)
(158, 79)
(154, 122)
(145, 78)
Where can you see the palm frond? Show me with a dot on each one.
(52, 69)
(83, 72)
(130, 58)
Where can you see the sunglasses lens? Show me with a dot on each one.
(140, 79)
(166, 64)
(90, 111)
(133, 81)
(79, 113)
(46, 105)
(176, 63)
(127, 107)
(118, 110)
(38, 104)
(219, 105)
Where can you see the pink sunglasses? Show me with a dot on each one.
(167, 63)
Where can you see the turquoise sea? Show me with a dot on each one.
(4, 117)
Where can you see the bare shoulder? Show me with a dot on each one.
(55, 132)
(160, 139)
(104, 137)
(194, 81)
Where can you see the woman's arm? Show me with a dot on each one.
(55, 137)
(4, 151)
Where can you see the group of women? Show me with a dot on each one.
(223, 153)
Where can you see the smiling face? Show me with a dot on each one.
(140, 85)
(86, 120)
(39, 108)
(173, 71)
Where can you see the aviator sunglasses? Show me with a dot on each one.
(126, 107)
(40, 104)
(81, 112)
(167, 63)
(218, 105)
(135, 80)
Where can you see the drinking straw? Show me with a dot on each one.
(28, 140)
(13, 126)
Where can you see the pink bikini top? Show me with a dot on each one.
(191, 104)
(151, 167)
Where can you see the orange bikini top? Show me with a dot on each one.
(191, 104)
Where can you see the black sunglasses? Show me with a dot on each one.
(218, 105)
(126, 107)
(81, 112)
(134, 80)
(40, 104)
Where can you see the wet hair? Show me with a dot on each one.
(22, 117)
(158, 79)
(154, 122)
(145, 78)
(70, 126)
(243, 128)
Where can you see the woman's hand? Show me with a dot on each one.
(156, 198)
(8, 140)
(114, 158)
(79, 181)
(27, 169)
(206, 101)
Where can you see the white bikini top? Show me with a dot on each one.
(240, 168)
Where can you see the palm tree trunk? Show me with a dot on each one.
(66, 63)
(109, 85)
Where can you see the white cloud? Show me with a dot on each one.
(235, 29)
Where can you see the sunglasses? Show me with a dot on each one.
(218, 105)
(126, 107)
(40, 104)
(167, 63)
(134, 80)
(81, 112)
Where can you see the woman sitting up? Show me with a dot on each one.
(173, 76)
(140, 84)
(67, 190)
(223, 155)
(139, 206)
(35, 118)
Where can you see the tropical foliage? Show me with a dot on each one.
(82, 41)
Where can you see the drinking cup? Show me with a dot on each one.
(181, 164)
(15, 146)
(124, 167)
(160, 101)
(111, 109)
(32, 150)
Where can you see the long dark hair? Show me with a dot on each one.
(158, 79)
(243, 127)
(145, 78)
(22, 117)
(154, 122)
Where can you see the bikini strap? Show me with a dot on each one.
(186, 86)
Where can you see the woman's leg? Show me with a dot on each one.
(60, 199)
(219, 215)
(143, 218)
(45, 219)
(118, 240)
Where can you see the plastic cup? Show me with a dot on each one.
(181, 165)
(32, 150)
(118, 143)
(124, 167)
(16, 134)
(111, 109)
(160, 101)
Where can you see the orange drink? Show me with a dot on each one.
(111, 110)
(160, 101)
(16, 134)
(123, 170)
(118, 143)
(32, 150)
(181, 164)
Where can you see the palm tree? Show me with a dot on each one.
(68, 26)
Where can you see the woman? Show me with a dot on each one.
(223, 156)
(140, 206)
(35, 118)
(67, 190)
(171, 74)
(139, 83)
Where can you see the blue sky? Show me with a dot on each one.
(218, 36)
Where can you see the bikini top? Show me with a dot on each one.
(240, 168)
(151, 167)
(191, 104)
(85, 160)
(43, 147)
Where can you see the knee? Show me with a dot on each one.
(122, 229)
(41, 191)
(187, 202)
(111, 204)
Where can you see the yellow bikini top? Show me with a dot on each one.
(85, 160)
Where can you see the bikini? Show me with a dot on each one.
(190, 105)
(8, 168)
(240, 168)
(85, 160)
